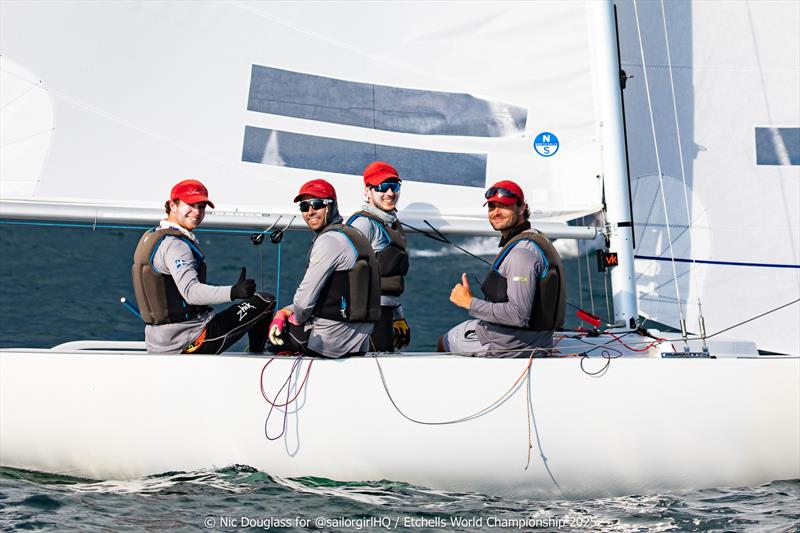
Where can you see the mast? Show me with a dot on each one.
(615, 174)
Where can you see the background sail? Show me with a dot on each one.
(736, 70)
(254, 98)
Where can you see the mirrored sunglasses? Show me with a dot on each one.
(316, 203)
(393, 186)
(500, 192)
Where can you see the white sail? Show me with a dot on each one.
(736, 73)
(255, 98)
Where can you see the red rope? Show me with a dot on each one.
(299, 390)
(619, 340)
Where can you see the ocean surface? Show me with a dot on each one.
(61, 284)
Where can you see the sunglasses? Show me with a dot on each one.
(500, 192)
(393, 186)
(316, 203)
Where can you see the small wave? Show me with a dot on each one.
(369, 493)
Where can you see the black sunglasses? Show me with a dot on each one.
(316, 203)
(393, 186)
(500, 192)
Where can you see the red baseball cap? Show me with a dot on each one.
(378, 172)
(317, 189)
(506, 192)
(190, 192)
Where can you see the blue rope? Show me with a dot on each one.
(117, 226)
(278, 283)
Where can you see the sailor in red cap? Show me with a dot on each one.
(378, 221)
(338, 301)
(169, 280)
(524, 288)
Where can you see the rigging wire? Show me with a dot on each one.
(660, 172)
(751, 319)
(692, 279)
(580, 277)
(604, 221)
(589, 274)
(580, 274)
(278, 278)
(439, 237)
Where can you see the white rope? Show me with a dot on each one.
(658, 159)
(693, 281)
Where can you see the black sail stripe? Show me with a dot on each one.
(311, 152)
(294, 94)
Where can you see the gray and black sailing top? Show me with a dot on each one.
(507, 324)
(331, 251)
(379, 239)
(174, 257)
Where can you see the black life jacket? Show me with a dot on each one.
(549, 302)
(352, 295)
(393, 259)
(157, 295)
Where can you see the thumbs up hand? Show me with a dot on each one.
(244, 288)
(461, 295)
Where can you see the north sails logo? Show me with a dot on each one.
(242, 310)
(546, 144)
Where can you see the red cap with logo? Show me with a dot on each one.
(378, 172)
(506, 192)
(190, 192)
(316, 189)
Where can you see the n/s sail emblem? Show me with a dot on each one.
(546, 144)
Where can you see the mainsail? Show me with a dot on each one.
(255, 98)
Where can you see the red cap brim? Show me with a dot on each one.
(196, 199)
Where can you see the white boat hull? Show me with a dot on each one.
(647, 424)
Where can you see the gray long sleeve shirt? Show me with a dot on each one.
(174, 257)
(499, 322)
(331, 251)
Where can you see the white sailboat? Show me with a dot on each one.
(256, 97)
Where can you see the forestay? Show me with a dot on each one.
(736, 73)
(255, 98)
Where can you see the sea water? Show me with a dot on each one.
(61, 284)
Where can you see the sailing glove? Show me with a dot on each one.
(276, 327)
(401, 333)
(244, 288)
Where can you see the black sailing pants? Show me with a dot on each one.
(251, 316)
